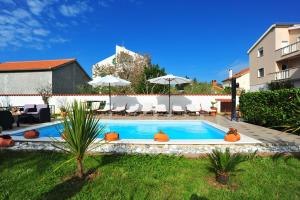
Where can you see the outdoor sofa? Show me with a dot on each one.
(32, 113)
(6, 120)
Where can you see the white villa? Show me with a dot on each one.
(111, 59)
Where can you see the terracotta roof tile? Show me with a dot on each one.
(33, 65)
(239, 74)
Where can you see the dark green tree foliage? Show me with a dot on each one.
(269, 108)
(280, 85)
(87, 89)
(145, 87)
(293, 123)
(199, 88)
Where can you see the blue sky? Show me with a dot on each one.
(187, 37)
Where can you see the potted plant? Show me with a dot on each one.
(63, 111)
(224, 164)
(213, 105)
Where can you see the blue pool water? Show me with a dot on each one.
(183, 130)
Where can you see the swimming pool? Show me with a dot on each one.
(145, 129)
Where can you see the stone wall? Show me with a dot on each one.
(165, 148)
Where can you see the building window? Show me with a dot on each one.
(298, 39)
(260, 52)
(260, 72)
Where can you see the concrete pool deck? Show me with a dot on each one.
(269, 140)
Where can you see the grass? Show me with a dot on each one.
(30, 175)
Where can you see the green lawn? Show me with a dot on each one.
(25, 175)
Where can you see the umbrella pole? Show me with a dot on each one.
(169, 97)
(109, 97)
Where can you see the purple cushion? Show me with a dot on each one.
(40, 106)
(28, 106)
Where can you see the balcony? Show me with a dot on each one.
(288, 51)
(293, 73)
(283, 74)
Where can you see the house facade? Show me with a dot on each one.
(27, 77)
(242, 78)
(275, 56)
(111, 60)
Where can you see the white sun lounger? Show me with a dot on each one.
(147, 108)
(119, 109)
(105, 109)
(133, 109)
(161, 109)
(204, 110)
(191, 109)
(176, 109)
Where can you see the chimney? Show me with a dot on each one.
(230, 73)
(214, 83)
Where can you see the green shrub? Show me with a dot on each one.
(268, 108)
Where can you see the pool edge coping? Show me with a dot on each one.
(244, 138)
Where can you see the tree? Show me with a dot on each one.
(199, 88)
(145, 87)
(284, 84)
(125, 66)
(81, 129)
(46, 92)
(103, 70)
(88, 89)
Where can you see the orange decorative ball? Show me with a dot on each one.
(111, 136)
(232, 135)
(238, 136)
(161, 137)
(6, 142)
(31, 134)
(230, 138)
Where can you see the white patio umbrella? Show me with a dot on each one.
(109, 81)
(169, 79)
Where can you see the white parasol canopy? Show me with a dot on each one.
(169, 79)
(109, 81)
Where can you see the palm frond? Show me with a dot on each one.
(225, 162)
(80, 131)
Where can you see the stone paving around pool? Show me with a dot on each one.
(272, 141)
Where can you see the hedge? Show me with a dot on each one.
(268, 108)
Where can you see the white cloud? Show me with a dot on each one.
(58, 40)
(19, 27)
(11, 2)
(103, 4)
(41, 32)
(35, 23)
(236, 66)
(37, 6)
(20, 13)
(72, 10)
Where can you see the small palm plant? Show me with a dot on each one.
(225, 163)
(80, 131)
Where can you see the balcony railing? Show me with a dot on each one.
(283, 74)
(290, 48)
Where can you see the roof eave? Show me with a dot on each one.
(266, 32)
(261, 37)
